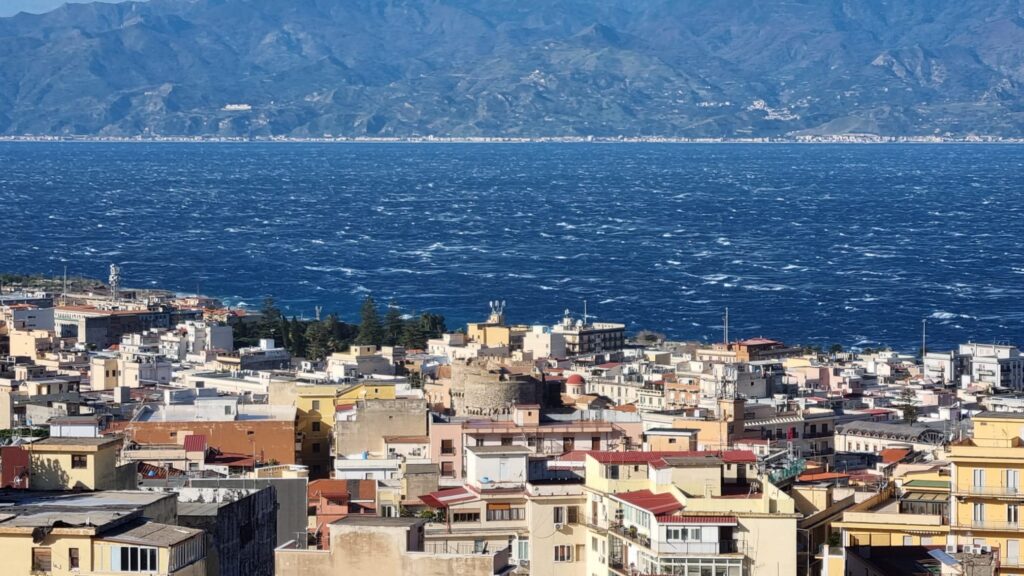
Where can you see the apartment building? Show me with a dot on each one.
(987, 498)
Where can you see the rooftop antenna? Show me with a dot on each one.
(64, 293)
(924, 338)
(725, 327)
(584, 312)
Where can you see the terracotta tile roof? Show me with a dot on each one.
(716, 520)
(605, 457)
(656, 504)
(195, 443)
(890, 455)
(406, 439)
(362, 490)
(609, 365)
(326, 487)
(150, 472)
(625, 408)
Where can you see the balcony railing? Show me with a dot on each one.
(991, 526)
(631, 535)
(996, 491)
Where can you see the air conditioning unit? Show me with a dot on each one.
(968, 549)
(513, 561)
(986, 549)
(951, 548)
(559, 526)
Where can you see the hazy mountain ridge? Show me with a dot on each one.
(698, 68)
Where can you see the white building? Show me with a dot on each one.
(541, 342)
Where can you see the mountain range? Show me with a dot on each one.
(516, 68)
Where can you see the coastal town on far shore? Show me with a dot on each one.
(150, 432)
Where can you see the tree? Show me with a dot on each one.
(285, 333)
(317, 341)
(393, 325)
(270, 320)
(297, 338)
(370, 329)
(414, 336)
(907, 403)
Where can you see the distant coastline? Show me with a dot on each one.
(832, 139)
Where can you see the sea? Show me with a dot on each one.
(858, 245)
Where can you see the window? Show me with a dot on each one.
(506, 440)
(465, 517)
(573, 514)
(499, 512)
(133, 559)
(316, 447)
(568, 444)
(479, 546)
(671, 440)
(595, 442)
(447, 469)
(447, 447)
(979, 477)
(681, 534)
(73, 558)
(563, 553)
(227, 410)
(1012, 514)
(316, 405)
(479, 441)
(593, 543)
(559, 514)
(979, 512)
(316, 426)
(42, 560)
(908, 540)
(613, 472)
(524, 549)
(79, 461)
(1012, 478)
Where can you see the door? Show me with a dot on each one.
(1013, 552)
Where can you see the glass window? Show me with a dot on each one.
(559, 514)
(316, 426)
(79, 461)
(73, 558)
(563, 553)
(447, 447)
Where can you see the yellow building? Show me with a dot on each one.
(987, 497)
(78, 463)
(316, 406)
(672, 513)
(97, 533)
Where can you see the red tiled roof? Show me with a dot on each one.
(606, 457)
(575, 379)
(890, 455)
(149, 471)
(344, 407)
(326, 487)
(656, 504)
(195, 443)
(609, 365)
(717, 520)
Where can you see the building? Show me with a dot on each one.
(258, 432)
(671, 513)
(360, 428)
(239, 526)
(869, 436)
(542, 342)
(986, 493)
(266, 356)
(97, 533)
(582, 337)
(98, 328)
(384, 547)
(79, 464)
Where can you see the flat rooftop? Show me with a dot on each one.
(30, 509)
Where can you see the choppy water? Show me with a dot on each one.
(850, 244)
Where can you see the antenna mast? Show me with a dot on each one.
(725, 327)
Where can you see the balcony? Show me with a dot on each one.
(632, 535)
(991, 491)
(986, 526)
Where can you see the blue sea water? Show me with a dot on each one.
(806, 243)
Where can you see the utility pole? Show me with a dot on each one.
(725, 327)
